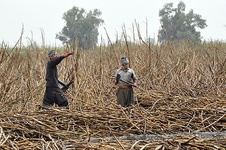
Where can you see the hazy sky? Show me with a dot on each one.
(46, 15)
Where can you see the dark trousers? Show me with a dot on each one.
(55, 95)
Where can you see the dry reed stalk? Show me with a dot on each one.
(111, 45)
(127, 44)
(149, 51)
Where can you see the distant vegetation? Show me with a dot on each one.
(177, 25)
(81, 28)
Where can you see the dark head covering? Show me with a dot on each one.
(52, 52)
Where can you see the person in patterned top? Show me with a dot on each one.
(125, 78)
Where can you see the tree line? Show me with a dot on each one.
(81, 27)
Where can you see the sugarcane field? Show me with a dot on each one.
(179, 100)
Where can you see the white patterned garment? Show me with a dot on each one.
(128, 76)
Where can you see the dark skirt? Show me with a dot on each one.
(125, 97)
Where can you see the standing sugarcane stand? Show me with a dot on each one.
(125, 78)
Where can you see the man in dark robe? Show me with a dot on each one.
(53, 93)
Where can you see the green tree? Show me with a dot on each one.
(176, 25)
(81, 27)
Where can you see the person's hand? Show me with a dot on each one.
(67, 54)
(115, 82)
(135, 84)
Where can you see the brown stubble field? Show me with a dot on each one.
(181, 89)
(176, 69)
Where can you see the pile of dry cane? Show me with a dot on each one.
(157, 121)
